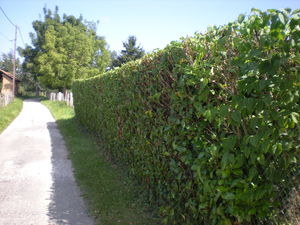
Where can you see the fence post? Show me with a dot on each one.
(5, 99)
(67, 97)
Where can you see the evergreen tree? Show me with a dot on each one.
(131, 51)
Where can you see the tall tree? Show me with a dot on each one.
(63, 49)
(131, 51)
(30, 69)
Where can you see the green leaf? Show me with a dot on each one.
(227, 222)
(225, 159)
(252, 173)
(199, 175)
(296, 11)
(261, 159)
(202, 205)
(295, 117)
(279, 148)
(281, 18)
(225, 173)
(255, 10)
(237, 172)
(207, 114)
(254, 140)
(229, 196)
(287, 11)
(221, 189)
(229, 142)
(236, 116)
(293, 43)
(241, 18)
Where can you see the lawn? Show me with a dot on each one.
(112, 197)
(9, 113)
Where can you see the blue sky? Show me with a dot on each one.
(155, 23)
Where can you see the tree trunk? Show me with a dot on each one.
(37, 90)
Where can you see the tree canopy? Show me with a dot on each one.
(63, 49)
(131, 51)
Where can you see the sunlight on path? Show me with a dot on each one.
(37, 185)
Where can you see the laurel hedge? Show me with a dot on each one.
(210, 124)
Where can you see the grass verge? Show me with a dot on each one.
(9, 113)
(111, 196)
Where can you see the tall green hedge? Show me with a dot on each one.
(210, 124)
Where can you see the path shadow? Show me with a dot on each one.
(37, 99)
(66, 206)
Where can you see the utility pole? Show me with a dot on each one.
(14, 63)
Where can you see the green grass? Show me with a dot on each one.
(111, 195)
(9, 113)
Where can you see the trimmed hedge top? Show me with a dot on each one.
(210, 124)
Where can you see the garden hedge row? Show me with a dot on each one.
(210, 124)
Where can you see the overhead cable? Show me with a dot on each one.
(21, 36)
(7, 17)
(3, 35)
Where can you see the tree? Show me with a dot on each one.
(6, 63)
(28, 82)
(131, 52)
(30, 70)
(64, 49)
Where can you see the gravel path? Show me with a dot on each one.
(37, 185)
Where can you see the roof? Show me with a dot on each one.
(8, 75)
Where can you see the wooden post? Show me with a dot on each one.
(14, 64)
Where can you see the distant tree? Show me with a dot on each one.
(114, 59)
(131, 51)
(28, 82)
(6, 63)
(64, 49)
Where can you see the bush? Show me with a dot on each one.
(209, 124)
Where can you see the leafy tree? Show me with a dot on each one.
(63, 49)
(30, 70)
(131, 51)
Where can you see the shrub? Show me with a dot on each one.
(209, 124)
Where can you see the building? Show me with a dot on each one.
(6, 80)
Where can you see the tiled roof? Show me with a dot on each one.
(8, 75)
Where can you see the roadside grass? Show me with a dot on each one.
(111, 195)
(9, 113)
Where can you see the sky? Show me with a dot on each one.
(155, 23)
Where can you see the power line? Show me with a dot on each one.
(21, 36)
(15, 44)
(13, 25)
(7, 17)
(3, 35)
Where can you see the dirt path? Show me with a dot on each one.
(37, 185)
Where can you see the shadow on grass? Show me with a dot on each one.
(111, 196)
(66, 206)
